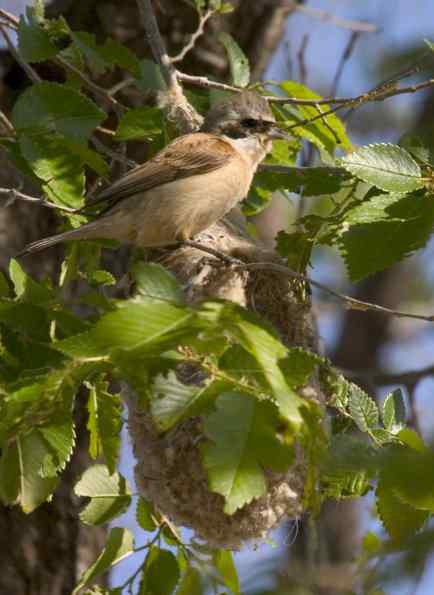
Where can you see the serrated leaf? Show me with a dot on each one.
(326, 133)
(172, 400)
(145, 515)
(386, 166)
(34, 42)
(385, 230)
(140, 123)
(363, 409)
(153, 283)
(104, 424)
(52, 108)
(119, 545)
(224, 563)
(162, 573)
(60, 435)
(394, 412)
(103, 57)
(298, 366)
(238, 62)
(242, 441)
(60, 171)
(34, 489)
(109, 495)
(400, 520)
(131, 327)
(268, 351)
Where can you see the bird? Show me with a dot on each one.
(189, 185)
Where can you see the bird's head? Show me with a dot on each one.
(243, 115)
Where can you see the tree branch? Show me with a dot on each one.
(326, 17)
(13, 194)
(178, 107)
(194, 37)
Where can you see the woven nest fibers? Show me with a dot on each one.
(169, 472)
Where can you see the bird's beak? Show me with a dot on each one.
(276, 133)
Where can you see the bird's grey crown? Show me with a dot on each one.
(236, 115)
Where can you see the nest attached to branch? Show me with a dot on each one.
(169, 470)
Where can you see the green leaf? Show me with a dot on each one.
(388, 167)
(409, 474)
(162, 574)
(59, 434)
(371, 543)
(145, 515)
(394, 413)
(412, 439)
(399, 519)
(224, 563)
(421, 147)
(153, 283)
(191, 583)
(32, 454)
(238, 62)
(298, 366)
(384, 230)
(133, 326)
(315, 181)
(173, 401)
(104, 57)
(52, 108)
(325, 133)
(140, 123)
(150, 77)
(348, 467)
(119, 545)
(104, 424)
(242, 440)
(34, 42)
(109, 495)
(60, 171)
(267, 351)
(363, 409)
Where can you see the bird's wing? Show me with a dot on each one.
(189, 155)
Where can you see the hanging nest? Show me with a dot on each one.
(169, 471)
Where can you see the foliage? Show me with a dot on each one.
(379, 209)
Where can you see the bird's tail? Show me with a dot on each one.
(89, 231)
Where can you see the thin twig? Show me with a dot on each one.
(350, 302)
(32, 74)
(346, 55)
(194, 37)
(301, 54)
(7, 124)
(12, 194)
(93, 87)
(303, 171)
(326, 17)
(410, 377)
(129, 163)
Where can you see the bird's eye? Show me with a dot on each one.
(249, 123)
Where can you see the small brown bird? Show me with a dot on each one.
(189, 185)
